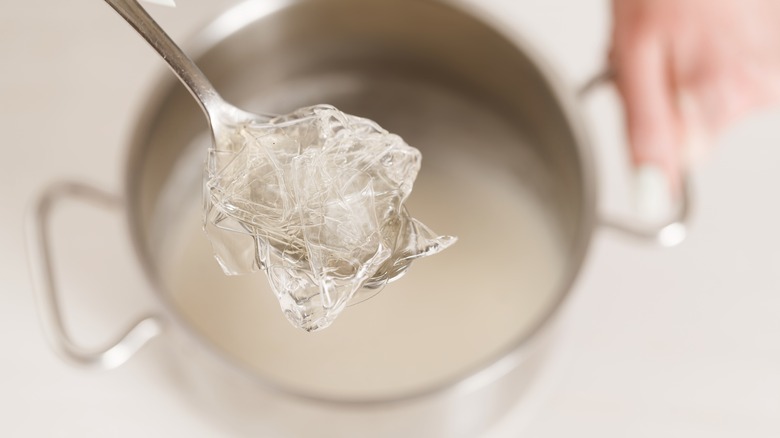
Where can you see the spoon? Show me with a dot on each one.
(413, 240)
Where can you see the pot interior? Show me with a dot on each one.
(501, 170)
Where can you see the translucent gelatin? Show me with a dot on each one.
(315, 199)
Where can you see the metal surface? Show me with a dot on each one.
(124, 346)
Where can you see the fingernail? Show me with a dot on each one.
(170, 3)
(652, 193)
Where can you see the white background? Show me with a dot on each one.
(673, 343)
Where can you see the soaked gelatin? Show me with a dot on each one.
(315, 199)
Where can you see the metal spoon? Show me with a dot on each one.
(225, 119)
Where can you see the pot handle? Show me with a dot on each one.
(667, 234)
(46, 291)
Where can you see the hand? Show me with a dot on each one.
(687, 69)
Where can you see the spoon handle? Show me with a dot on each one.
(181, 64)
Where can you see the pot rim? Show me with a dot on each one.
(512, 356)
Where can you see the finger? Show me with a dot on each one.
(651, 115)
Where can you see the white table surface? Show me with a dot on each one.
(674, 343)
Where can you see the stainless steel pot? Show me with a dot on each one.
(375, 58)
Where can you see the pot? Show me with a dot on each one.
(445, 351)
